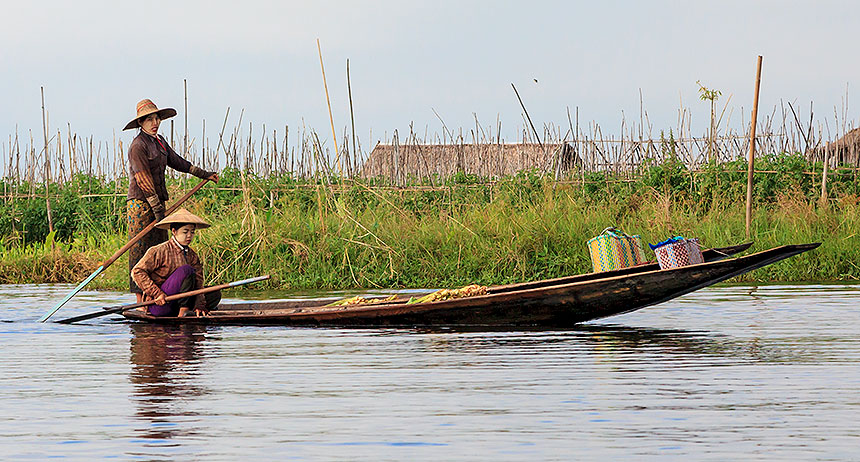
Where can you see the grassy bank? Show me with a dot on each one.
(359, 234)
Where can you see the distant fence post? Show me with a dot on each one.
(47, 168)
(751, 165)
(823, 200)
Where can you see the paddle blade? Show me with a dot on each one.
(97, 314)
(72, 294)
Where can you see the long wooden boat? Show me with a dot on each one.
(559, 302)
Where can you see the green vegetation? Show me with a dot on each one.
(362, 234)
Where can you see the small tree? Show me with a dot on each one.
(706, 94)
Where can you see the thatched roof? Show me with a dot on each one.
(488, 160)
(845, 150)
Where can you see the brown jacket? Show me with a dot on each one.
(159, 262)
(148, 157)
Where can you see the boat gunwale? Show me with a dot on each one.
(555, 288)
(506, 288)
(353, 311)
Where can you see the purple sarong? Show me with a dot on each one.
(172, 286)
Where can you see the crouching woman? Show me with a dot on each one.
(173, 267)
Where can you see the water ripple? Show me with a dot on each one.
(726, 373)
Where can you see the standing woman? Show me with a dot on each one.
(148, 157)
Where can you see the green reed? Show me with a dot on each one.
(354, 234)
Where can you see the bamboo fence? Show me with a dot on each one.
(565, 151)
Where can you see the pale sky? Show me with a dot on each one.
(96, 59)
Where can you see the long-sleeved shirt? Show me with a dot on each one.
(159, 262)
(148, 157)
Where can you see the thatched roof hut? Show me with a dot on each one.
(844, 151)
(398, 162)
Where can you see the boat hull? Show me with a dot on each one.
(564, 304)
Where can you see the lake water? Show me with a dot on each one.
(726, 373)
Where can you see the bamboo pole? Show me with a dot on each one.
(221, 139)
(823, 200)
(47, 167)
(351, 114)
(185, 137)
(330, 117)
(751, 164)
(527, 115)
(203, 146)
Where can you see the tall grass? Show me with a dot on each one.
(524, 227)
(518, 232)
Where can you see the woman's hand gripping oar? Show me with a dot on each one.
(122, 250)
(121, 308)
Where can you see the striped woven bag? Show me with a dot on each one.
(614, 249)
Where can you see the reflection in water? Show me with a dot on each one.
(696, 345)
(165, 362)
(710, 376)
(620, 340)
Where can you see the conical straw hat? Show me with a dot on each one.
(182, 216)
(146, 107)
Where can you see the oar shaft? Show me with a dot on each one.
(121, 308)
(149, 227)
(197, 292)
(122, 250)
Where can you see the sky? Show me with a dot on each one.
(412, 60)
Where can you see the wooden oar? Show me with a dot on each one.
(121, 251)
(121, 308)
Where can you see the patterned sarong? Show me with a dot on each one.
(139, 217)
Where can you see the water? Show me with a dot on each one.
(726, 373)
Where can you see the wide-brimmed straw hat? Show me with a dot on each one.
(182, 216)
(146, 107)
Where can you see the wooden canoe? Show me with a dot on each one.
(560, 302)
